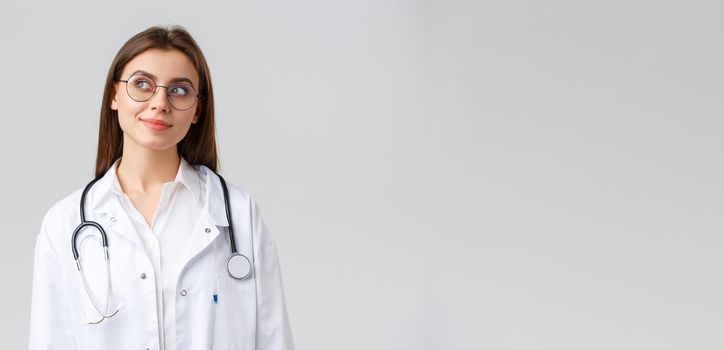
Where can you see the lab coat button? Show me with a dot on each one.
(143, 276)
(183, 292)
(113, 218)
(207, 230)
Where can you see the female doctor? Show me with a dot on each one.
(158, 252)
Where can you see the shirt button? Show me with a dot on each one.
(143, 276)
(207, 230)
(183, 292)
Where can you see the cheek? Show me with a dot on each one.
(128, 107)
(127, 116)
(182, 126)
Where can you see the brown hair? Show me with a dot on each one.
(199, 144)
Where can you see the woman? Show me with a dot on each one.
(170, 280)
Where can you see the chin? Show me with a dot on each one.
(156, 144)
(159, 148)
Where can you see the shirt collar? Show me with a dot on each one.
(186, 175)
(208, 184)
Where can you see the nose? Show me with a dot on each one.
(160, 99)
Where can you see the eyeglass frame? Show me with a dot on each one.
(196, 98)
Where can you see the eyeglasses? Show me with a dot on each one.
(141, 88)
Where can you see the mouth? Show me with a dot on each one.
(156, 124)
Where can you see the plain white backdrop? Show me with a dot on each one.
(436, 174)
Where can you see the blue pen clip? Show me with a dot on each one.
(216, 298)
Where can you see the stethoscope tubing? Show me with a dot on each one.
(233, 258)
(104, 237)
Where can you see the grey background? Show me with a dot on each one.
(436, 174)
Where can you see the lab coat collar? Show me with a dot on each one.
(104, 201)
(215, 206)
(190, 178)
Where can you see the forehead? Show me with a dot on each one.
(165, 65)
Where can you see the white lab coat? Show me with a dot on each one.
(249, 314)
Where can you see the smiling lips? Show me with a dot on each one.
(156, 124)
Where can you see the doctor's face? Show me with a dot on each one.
(163, 120)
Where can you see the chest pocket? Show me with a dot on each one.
(235, 313)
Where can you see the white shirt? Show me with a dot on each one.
(167, 239)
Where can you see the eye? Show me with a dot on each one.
(179, 90)
(142, 84)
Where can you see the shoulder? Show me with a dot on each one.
(65, 209)
(60, 219)
(242, 199)
(237, 193)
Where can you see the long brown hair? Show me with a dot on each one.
(199, 144)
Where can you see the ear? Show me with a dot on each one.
(196, 115)
(114, 102)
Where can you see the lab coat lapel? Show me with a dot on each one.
(107, 210)
(201, 238)
(213, 216)
(116, 222)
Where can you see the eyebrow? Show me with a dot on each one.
(182, 79)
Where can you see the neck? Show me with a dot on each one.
(142, 170)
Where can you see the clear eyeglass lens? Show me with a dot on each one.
(181, 95)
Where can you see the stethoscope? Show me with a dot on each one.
(237, 265)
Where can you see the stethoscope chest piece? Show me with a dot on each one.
(238, 266)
